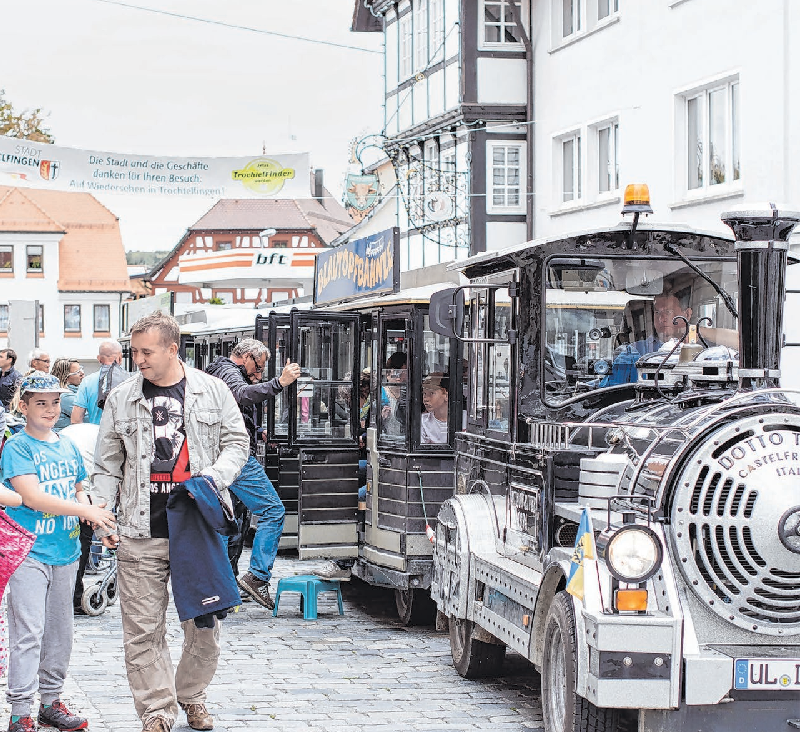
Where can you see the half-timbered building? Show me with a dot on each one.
(456, 122)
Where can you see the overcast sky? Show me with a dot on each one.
(120, 79)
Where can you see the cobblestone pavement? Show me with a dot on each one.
(360, 672)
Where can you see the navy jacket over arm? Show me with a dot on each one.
(202, 578)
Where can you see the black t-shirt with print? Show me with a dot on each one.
(171, 463)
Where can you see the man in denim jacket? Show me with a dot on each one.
(169, 423)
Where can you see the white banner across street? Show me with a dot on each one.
(39, 165)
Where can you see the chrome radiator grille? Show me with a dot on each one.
(734, 518)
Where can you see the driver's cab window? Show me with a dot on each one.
(393, 380)
(491, 318)
(606, 315)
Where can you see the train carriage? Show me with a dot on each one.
(314, 433)
(628, 488)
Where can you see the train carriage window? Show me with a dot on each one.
(189, 354)
(437, 388)
(324, 389)
(393, 400)
(603, 315)
(279, 358)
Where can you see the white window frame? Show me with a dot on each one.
(30, 252)
(95, 309)
(578, 191)
(586, 19)
(436, 30)
(10, 248)
(420, 13)
(491, 206)
(482, 42)
(732, 135)
(5, 315)
(431, 167)
(405, 43)
(613, 8)
(79, 329)
(612, 125)
(577, 19)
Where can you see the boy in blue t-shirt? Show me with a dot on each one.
(46, 471)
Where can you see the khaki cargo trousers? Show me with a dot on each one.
(143, 573)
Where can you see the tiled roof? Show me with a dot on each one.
(140, 287)
(284, 214)
(91, 254)
(18, 213)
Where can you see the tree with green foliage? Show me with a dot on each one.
(25, 125)
(148, 259)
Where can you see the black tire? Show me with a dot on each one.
(563, 710)
(472, 658)
(112, 590)
(415, 607)
(93, 601)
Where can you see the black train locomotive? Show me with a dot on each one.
(627, 440)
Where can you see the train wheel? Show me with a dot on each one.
(562, 708)
(415, 607)
(473, 658)
(94, 601)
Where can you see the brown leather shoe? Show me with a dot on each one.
(155, 724)
(197, 716)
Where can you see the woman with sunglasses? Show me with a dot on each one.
(69, 374)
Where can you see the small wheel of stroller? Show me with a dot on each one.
(94, 601)
(112, 591)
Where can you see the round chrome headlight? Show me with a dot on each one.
(632, 553)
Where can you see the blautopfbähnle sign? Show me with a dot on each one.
(367, 266)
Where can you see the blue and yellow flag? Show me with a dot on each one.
(584, 549)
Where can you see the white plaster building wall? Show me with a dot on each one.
(45, 290)
(85, 346)
(501, 81)
(430, 95)
(390, 46)
(502, 234)
(452, 28)
(633, 68)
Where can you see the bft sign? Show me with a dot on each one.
(271, 258)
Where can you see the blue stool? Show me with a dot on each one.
(309, 586)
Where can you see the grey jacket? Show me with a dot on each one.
(217, 440)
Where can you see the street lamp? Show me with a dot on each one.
(265, 235)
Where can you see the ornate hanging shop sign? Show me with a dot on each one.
(38, 165)
(360, 195)
(367, 266)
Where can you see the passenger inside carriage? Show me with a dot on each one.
(435, 397)
(394, 394)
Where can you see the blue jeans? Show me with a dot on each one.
(255, 490)
(362, 480)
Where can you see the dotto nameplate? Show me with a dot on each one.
(766, 673)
